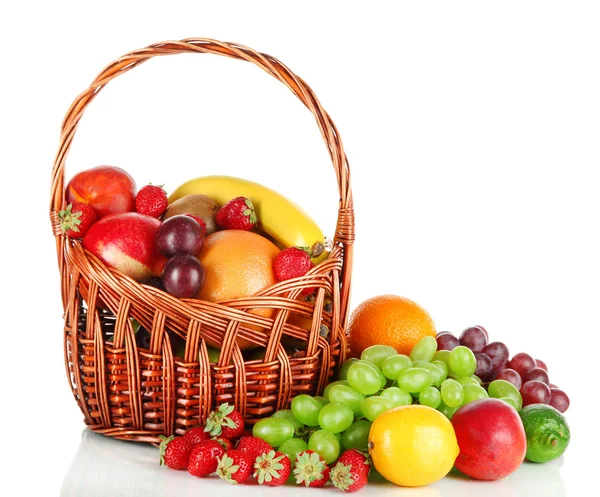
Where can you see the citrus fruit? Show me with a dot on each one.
(388, 320)
(412, 445)
(547, 432)
(237, 264)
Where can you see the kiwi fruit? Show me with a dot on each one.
(199, 205)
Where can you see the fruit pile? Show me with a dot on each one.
(216, 237)
(382, 413)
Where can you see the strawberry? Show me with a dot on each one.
(200, 221)
(272, 468)
(310, 469)
(351, 471)
(204, 458)
(237, 214)
(293, 262)
(356, 458)
(235, 466)
(225, 442)
(76, 219)
(151, 200)
(174, 452)
(225, 421)
(196, 435)
(253, 446)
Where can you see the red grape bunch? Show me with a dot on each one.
(528, 375)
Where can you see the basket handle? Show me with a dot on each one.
(344, 233)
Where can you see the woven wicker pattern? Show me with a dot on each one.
(135, 392)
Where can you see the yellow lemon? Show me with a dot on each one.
(412, 445)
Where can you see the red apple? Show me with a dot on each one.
(126, 242)
(108, 189)
(491, 439)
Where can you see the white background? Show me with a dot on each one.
(472, 130)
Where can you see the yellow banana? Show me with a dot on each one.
(278, 216)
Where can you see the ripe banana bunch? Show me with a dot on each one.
(278, 216)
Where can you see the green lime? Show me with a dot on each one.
(547, 432)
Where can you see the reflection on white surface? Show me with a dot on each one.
(114, 468)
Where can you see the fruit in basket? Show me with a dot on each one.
(174, 452)
(237, 264)
(151, 200)
(125, 242)
(293, 262)
(77, 219)
(108, 189)
(237, 214)
(182, 276)
(547, 432)
(179, 235)
(235, 466)
(204, 458)
(491, 438)
(272, 468)
(200, 221)
(279, 217)
(412, 445)
(198, 205)
(388, 320)
(225, 421)
(310, 469)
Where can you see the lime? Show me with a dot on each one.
(547, 432)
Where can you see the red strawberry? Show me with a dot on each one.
(225, 442)
(235, 466)
(225, 421)
(356, 458)
(351, 471)
(272, 468)
(151, 200)
(237, 214)
(196, 435)
(174, 452)
(253, 446)
(310, 469)
(200, 221)
(76, 219)
(204, 458)
(291, 263)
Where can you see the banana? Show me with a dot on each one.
(278, 216)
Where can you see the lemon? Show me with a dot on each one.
(412, 445)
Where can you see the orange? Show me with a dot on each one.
(388, 320)
(237, 264)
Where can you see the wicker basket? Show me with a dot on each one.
(137, 393)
